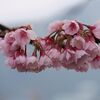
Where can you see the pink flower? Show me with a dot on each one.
(96, 30)
(9, 45)
(78, 42)
(21, 36)
(55, 26)
(15, 46)
(90, 45)
(95, 63)
(7, 49)
(32, 63)
(9, 38)
(54, 55)
(31, 34)
(67, 57)
(92, 49)
(78, 61)
(45, 61)
(70, 27)
(82, 64)
(20, 63)
(81, 67)
(45, 43)
(79, 54)
(11, 62)
(63, 59)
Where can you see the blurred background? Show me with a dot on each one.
(50, 84)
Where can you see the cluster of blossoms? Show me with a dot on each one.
(69, 44)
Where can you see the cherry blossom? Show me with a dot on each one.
(96, 30)
(70, 27)
(21, 36)
(78, 42)
(31, 63)
(54, 55)
(69, 44)
(55, 26)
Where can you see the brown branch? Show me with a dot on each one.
(4, 29)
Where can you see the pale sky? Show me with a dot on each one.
(21, 10)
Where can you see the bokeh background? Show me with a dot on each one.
(50, 84)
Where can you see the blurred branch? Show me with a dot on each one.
(3, 30)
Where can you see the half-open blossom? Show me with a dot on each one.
(55, 26)
(96, 30)
(45, 61)
(67, 57)
(81, 67)
(9, 38)
(95, 63)
(54, 55)
(7, 43)
(70, 27)
(8, 49)
(20, 63)
(79, 54)
(31, 34)
(78, 42)
(32, 63)
(92, 49)
(90, 45)
(21, 36)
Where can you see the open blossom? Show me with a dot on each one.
(92, 49)
(81, 62)
(95, 63)
(67, 57)
(20, 63)
(78, 42)
(55, 26)
(7, 49)
(96, 30)
(54, 55)
(45, 61)
(81, 66)
(9, 39)
(31, 34)
(70, 27)
(79, 54)
(45, 43)
(32, 63)
(9, 45)
(21, 36)
(90, 45)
